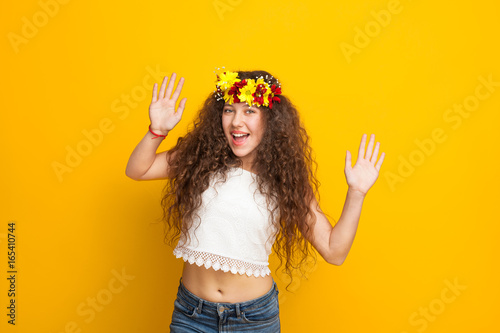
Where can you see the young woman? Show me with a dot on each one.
(240, 184)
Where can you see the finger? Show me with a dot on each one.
(369, 149)
(178, 90)
(162, 88)
(375, 153)
(379, 163)
(182, 105)
(348, 163)
(361, 152)
(170, 86)
(155, 91)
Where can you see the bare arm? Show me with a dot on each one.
(334, 243)
(145, 163)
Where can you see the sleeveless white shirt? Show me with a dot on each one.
(235, 233)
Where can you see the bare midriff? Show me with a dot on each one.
(223, 287)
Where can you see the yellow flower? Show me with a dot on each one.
(268, 90)
(227, 79)
(228, 98)
(260, 81)
(247, 91)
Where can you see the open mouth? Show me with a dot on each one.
(239, 138)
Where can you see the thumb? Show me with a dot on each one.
(182, 105)
(348, 160)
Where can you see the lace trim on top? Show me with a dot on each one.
(219, 262)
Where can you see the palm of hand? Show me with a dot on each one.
(365, 172)
(162, 111)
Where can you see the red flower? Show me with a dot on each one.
(258, 95)
(235, 90)
(274, 91)
(240, 84)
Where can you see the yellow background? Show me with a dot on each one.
(433, 226)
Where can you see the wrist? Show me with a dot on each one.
(157, 132)
(356, 192)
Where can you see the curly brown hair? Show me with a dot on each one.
(286, 174)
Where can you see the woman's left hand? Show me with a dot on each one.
(365, 172)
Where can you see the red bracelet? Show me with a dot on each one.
(157, 135)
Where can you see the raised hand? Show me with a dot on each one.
(365, 172)
(162, 113)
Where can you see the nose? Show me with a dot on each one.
(237, 120)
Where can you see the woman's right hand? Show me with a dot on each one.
(162, 112)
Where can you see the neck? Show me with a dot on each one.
(247, 164)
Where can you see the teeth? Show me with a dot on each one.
(238, 135)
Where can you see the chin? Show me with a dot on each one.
(239, 154)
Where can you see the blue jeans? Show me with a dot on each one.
(194, 314)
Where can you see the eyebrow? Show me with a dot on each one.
(225, 105)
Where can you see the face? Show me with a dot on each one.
(244, 128)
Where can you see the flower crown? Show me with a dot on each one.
(253, 92)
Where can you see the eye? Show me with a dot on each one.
(250, 111)
(227, 110)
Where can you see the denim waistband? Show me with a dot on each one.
(214, 307)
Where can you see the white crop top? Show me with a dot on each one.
(235, 233)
